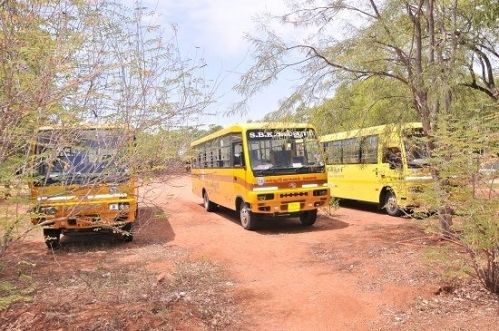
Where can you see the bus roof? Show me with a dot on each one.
(241, 127)
(370, 131)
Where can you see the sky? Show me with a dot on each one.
(214, 30)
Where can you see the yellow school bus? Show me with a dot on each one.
(385, 164)
(258, 169)
(82, 181)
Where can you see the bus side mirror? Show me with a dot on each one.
(392, 156)
(239, 160)
(394, 163)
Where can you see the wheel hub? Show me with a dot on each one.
(391, 204)
(244, 216)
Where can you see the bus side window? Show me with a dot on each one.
(392, 156)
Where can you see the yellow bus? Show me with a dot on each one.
(256, 169)
(82, 181)
(384, 164)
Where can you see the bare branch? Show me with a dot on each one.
(345, 68)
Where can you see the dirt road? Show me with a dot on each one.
(355, 269)
(291, 277)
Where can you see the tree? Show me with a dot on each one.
(413, 42)
(466, 153)
(370, 102)
(432, 49)
(68, 62)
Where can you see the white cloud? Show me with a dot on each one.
(217, 25)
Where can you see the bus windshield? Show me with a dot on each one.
(288, 151)
(80, 156)
(415, 147)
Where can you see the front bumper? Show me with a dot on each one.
(288, 201)
(86, 215)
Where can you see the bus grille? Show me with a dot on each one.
(294, 194)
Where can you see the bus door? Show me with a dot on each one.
(238, 186)
(220, 184)
(390, 169)
(366, 176)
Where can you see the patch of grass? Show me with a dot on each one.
(196, 292)
(101, 299)
(18, 287)
(161, 215)
(452, 266)
(205, 287)
(10, 294)
(331, 208)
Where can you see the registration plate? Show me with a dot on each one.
(293, 206)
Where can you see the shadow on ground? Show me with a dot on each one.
(359, 205)
(284, 225)
(374, 208)
(152, 227)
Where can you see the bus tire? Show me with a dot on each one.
(390, 204)
(52, 238)
(127, 234)
(248, 219)
(208, 205)
(308, 218)
(127, 237)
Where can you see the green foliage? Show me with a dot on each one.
(166, 151)
(357, 104)
(466, 154)
(366, 103)
(333, 205)
(64, 63)
(11, 293)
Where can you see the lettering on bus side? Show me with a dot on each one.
(297, 134)
(334, 169)
(288, 179)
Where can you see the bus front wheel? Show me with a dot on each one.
(308, 218)
(248, 219)
(390, 204)
(127, 234)
(208, 205)
(52, 238)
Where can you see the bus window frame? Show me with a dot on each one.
(205, 152)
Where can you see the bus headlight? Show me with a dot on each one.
(47, 210)
(119, 206)
(263, 197)
(124, 206)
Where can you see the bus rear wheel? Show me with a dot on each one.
(208, 205)
(390, 204)
(308, 218)
(52, 238)
(248, 219)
